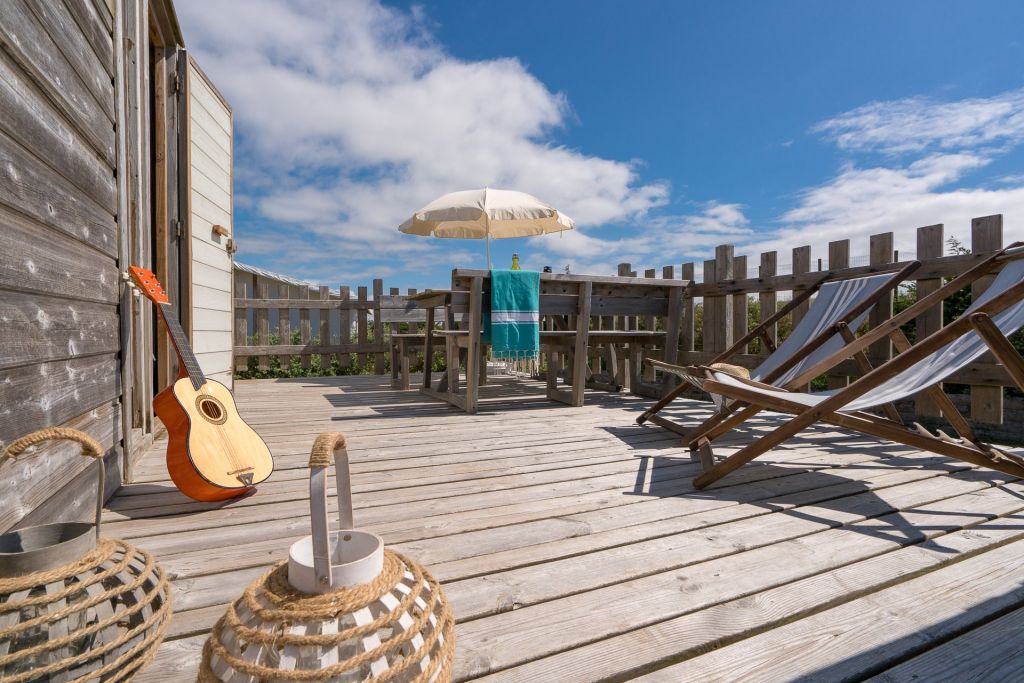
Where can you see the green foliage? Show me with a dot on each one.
(361, 364)
(784, 326)
(953, 307)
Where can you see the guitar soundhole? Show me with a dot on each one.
(211, 409)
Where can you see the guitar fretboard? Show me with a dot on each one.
(188, 359)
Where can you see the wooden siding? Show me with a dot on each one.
(210, 203)
(59, 337)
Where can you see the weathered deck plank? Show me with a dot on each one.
(571, 543)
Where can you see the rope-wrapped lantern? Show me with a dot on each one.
(74, 606)
(341, 608)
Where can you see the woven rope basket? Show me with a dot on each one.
(73, 606)
(341, 608)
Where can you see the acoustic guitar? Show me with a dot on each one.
(212, 454)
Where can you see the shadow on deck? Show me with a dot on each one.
(573, 546)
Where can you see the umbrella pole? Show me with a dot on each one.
(488, 250)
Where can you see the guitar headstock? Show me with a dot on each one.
(149, 285)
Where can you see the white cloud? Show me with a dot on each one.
(859, 203)
(933, 150)
(953, 142)
(350, 116)
(659, 240)
(918, 123)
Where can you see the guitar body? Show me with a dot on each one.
(212, 454)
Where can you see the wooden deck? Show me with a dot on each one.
(573, 548)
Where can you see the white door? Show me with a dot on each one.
(210, 225)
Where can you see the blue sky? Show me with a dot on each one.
(664, 128)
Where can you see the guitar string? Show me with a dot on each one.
(191, 364)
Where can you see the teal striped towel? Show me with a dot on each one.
(513, 326)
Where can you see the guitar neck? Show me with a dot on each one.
(180, 341)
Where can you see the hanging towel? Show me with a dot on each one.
(513, 326)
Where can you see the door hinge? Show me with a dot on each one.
(177, 82)
(179, 229)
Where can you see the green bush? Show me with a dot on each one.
(294, 367)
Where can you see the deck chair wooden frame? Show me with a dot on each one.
(968, 448)
(841, 327)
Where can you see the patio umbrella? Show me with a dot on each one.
(486, 214)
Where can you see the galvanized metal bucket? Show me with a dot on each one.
(38, 548)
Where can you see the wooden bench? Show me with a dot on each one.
(567, 303)
(397, 309)
(609, 344)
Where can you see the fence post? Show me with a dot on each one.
(378, 327)
(986, 235)
(672, 326)
(624, 373)
(838, 259)
(718, 309)
(346, 326)
(241, 329)
(649, 325)
(801, 265)
(284, 327)
(325, 330)
(768, 301)
(263, 326)
(880, 255)
(624, 322)
(930, 244)
(686, 272)
(708, 334)
(305, 331)
(739, 301)
(362, 329)
(415, 328)
(392, 344)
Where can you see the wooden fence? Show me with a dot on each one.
(345, 325)
(729, 282)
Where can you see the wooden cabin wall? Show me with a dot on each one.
(210, 152)
(59, 239)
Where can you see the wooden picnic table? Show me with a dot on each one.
(568, 301)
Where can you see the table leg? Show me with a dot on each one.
(428, 349)
(483, 364)
(404, 349)
(451, 355)
(473, 352)
(579, 369)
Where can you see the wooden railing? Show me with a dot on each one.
(720, 297)
(283, 320)
(729, 282)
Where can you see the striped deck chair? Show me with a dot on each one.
(985, 326)
(839, 307)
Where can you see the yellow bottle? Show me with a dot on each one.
(515, 262)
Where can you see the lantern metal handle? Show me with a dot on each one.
(319, 460)
(90, 448)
